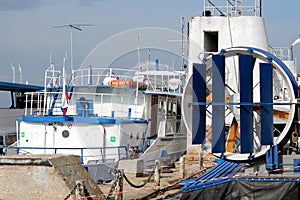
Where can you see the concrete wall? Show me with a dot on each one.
(42, 177)
(232, 31)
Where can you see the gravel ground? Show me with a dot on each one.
(168, 177)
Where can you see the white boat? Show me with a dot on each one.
(110, 114)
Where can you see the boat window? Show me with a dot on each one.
(165, 107)
(174, 108)
(170, 108)
(160, 107)
(116, 99)
(65, 133)
(106, 99)
(10, 138)
(211, 41)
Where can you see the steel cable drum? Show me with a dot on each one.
(280, 86)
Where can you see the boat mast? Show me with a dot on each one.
(20, 74)
(138, 51)
(182, 42)
(76, 27)
(14, 72)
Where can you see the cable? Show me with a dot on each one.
(143, 184)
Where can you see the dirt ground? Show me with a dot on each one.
(169, 177)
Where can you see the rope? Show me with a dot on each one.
(143, 184)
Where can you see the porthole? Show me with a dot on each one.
(65, 133)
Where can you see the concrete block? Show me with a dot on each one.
(133, 167)
(43, 177)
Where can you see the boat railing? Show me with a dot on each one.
(82, 104)
(164, 86)
(35, 103)
(52, 77)
(119, 152)
(147, 80)
(232, 8)
(283, 53)
(98, 76)
(163, 81)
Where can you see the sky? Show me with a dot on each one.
(27, 36)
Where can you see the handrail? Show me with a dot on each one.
(283, 53)
(55, 149)
(52, 77)
(232, 8)
(38, 107)
(95, 76)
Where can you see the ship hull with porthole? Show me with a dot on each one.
(102, 140)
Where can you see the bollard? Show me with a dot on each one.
(157, 173)
(79, 192)
(182, 167)
(119, 188)
(201, 156)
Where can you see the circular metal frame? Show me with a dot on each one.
(279, 69)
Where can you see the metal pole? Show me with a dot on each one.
(72, 49)
(182, 167)
(157, 173)
(139, 56)
(260, 6)
(14, 72)
(182, 42)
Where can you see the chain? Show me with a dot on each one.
(114, 185)
(68, 196)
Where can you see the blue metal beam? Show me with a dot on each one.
(199, 111)
(272, 158)
(266, 99)
(18, 87)
(246, 64)
(218, 110)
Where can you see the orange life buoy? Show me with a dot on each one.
(117, 83)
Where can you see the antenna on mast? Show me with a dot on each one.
(76, 27)
(50, 57)
(139, 56)
(14, 72)
(182, 42)
(20, 74)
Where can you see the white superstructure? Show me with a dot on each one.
(223, 26)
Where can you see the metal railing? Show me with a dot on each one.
(121, 151)
(52, 77)
(44, 103)
(232, 8)
(49, 102)
(283, 53)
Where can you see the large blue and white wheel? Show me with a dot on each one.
(240, 102)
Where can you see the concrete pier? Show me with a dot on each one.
(44, 177)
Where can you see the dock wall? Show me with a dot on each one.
(43, 177)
